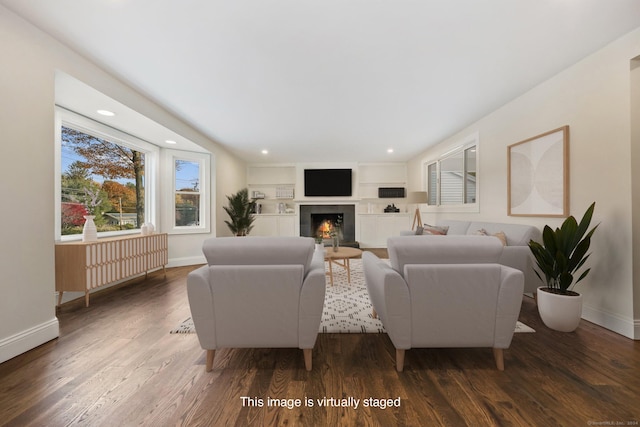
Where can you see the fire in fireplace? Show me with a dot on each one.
(324, 225)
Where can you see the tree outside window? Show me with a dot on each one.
(100, 178)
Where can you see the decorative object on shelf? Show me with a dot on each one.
(284, 192)
(418, 198)
(257, 195)
(281, 208)
(241, 212)
(391, 208)
(538, 175)
(562, 254)
(89, 230)
(147, 228)
(391, 192)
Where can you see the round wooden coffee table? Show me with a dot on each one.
(340, 257)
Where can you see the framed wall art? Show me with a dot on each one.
(538, 175)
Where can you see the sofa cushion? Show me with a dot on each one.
(257, 250)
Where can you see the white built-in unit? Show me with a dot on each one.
(271, 186)
(373, 230)
(274, 188)
(274, 225)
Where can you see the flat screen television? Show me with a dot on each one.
(327, 182)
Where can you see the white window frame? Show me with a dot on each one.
(64, 117)
(448, 151)
(204, 161)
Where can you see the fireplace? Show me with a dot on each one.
(326, 224)
(322, 219)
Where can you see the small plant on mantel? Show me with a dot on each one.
(563, 253)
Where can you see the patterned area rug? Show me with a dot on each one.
(347, 308)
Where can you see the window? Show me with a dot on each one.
(102, 172)
(187, 189)
(451, 180)
(190, 191)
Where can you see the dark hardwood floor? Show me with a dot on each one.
(115, 364)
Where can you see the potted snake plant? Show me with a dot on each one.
(562, 254)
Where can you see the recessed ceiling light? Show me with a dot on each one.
(106, 113)
(265, 152)
(389, 150)
(169, 141)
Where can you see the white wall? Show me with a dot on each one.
(593, 98)
(30, 60)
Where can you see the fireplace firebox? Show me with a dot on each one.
(321, 220)
(325, 225)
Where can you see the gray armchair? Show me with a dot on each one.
(445, 291)
(258, 292)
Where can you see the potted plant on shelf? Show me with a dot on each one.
(240, 211)
(561, 255)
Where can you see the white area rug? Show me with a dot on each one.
(347, 308)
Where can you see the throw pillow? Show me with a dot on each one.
(481, 232)
(500, 235)
(434, 229)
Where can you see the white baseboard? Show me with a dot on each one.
(26, 340)
(627, 327)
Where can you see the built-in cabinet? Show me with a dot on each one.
(273, 187)
(375, 229)
(274, 225)
(372, 176)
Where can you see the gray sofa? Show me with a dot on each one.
(515, 254)
(258, 292)
(445, 291)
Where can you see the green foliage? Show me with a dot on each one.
(564, 251)
(240, 211)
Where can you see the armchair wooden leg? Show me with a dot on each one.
(399, 360)
(210, 355)
(307, 358)
(374, 313)
(498, 355)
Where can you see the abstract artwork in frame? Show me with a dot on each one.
(538, 175)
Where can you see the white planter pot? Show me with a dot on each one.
(559, 312)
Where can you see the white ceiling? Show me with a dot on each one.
(313, 80)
